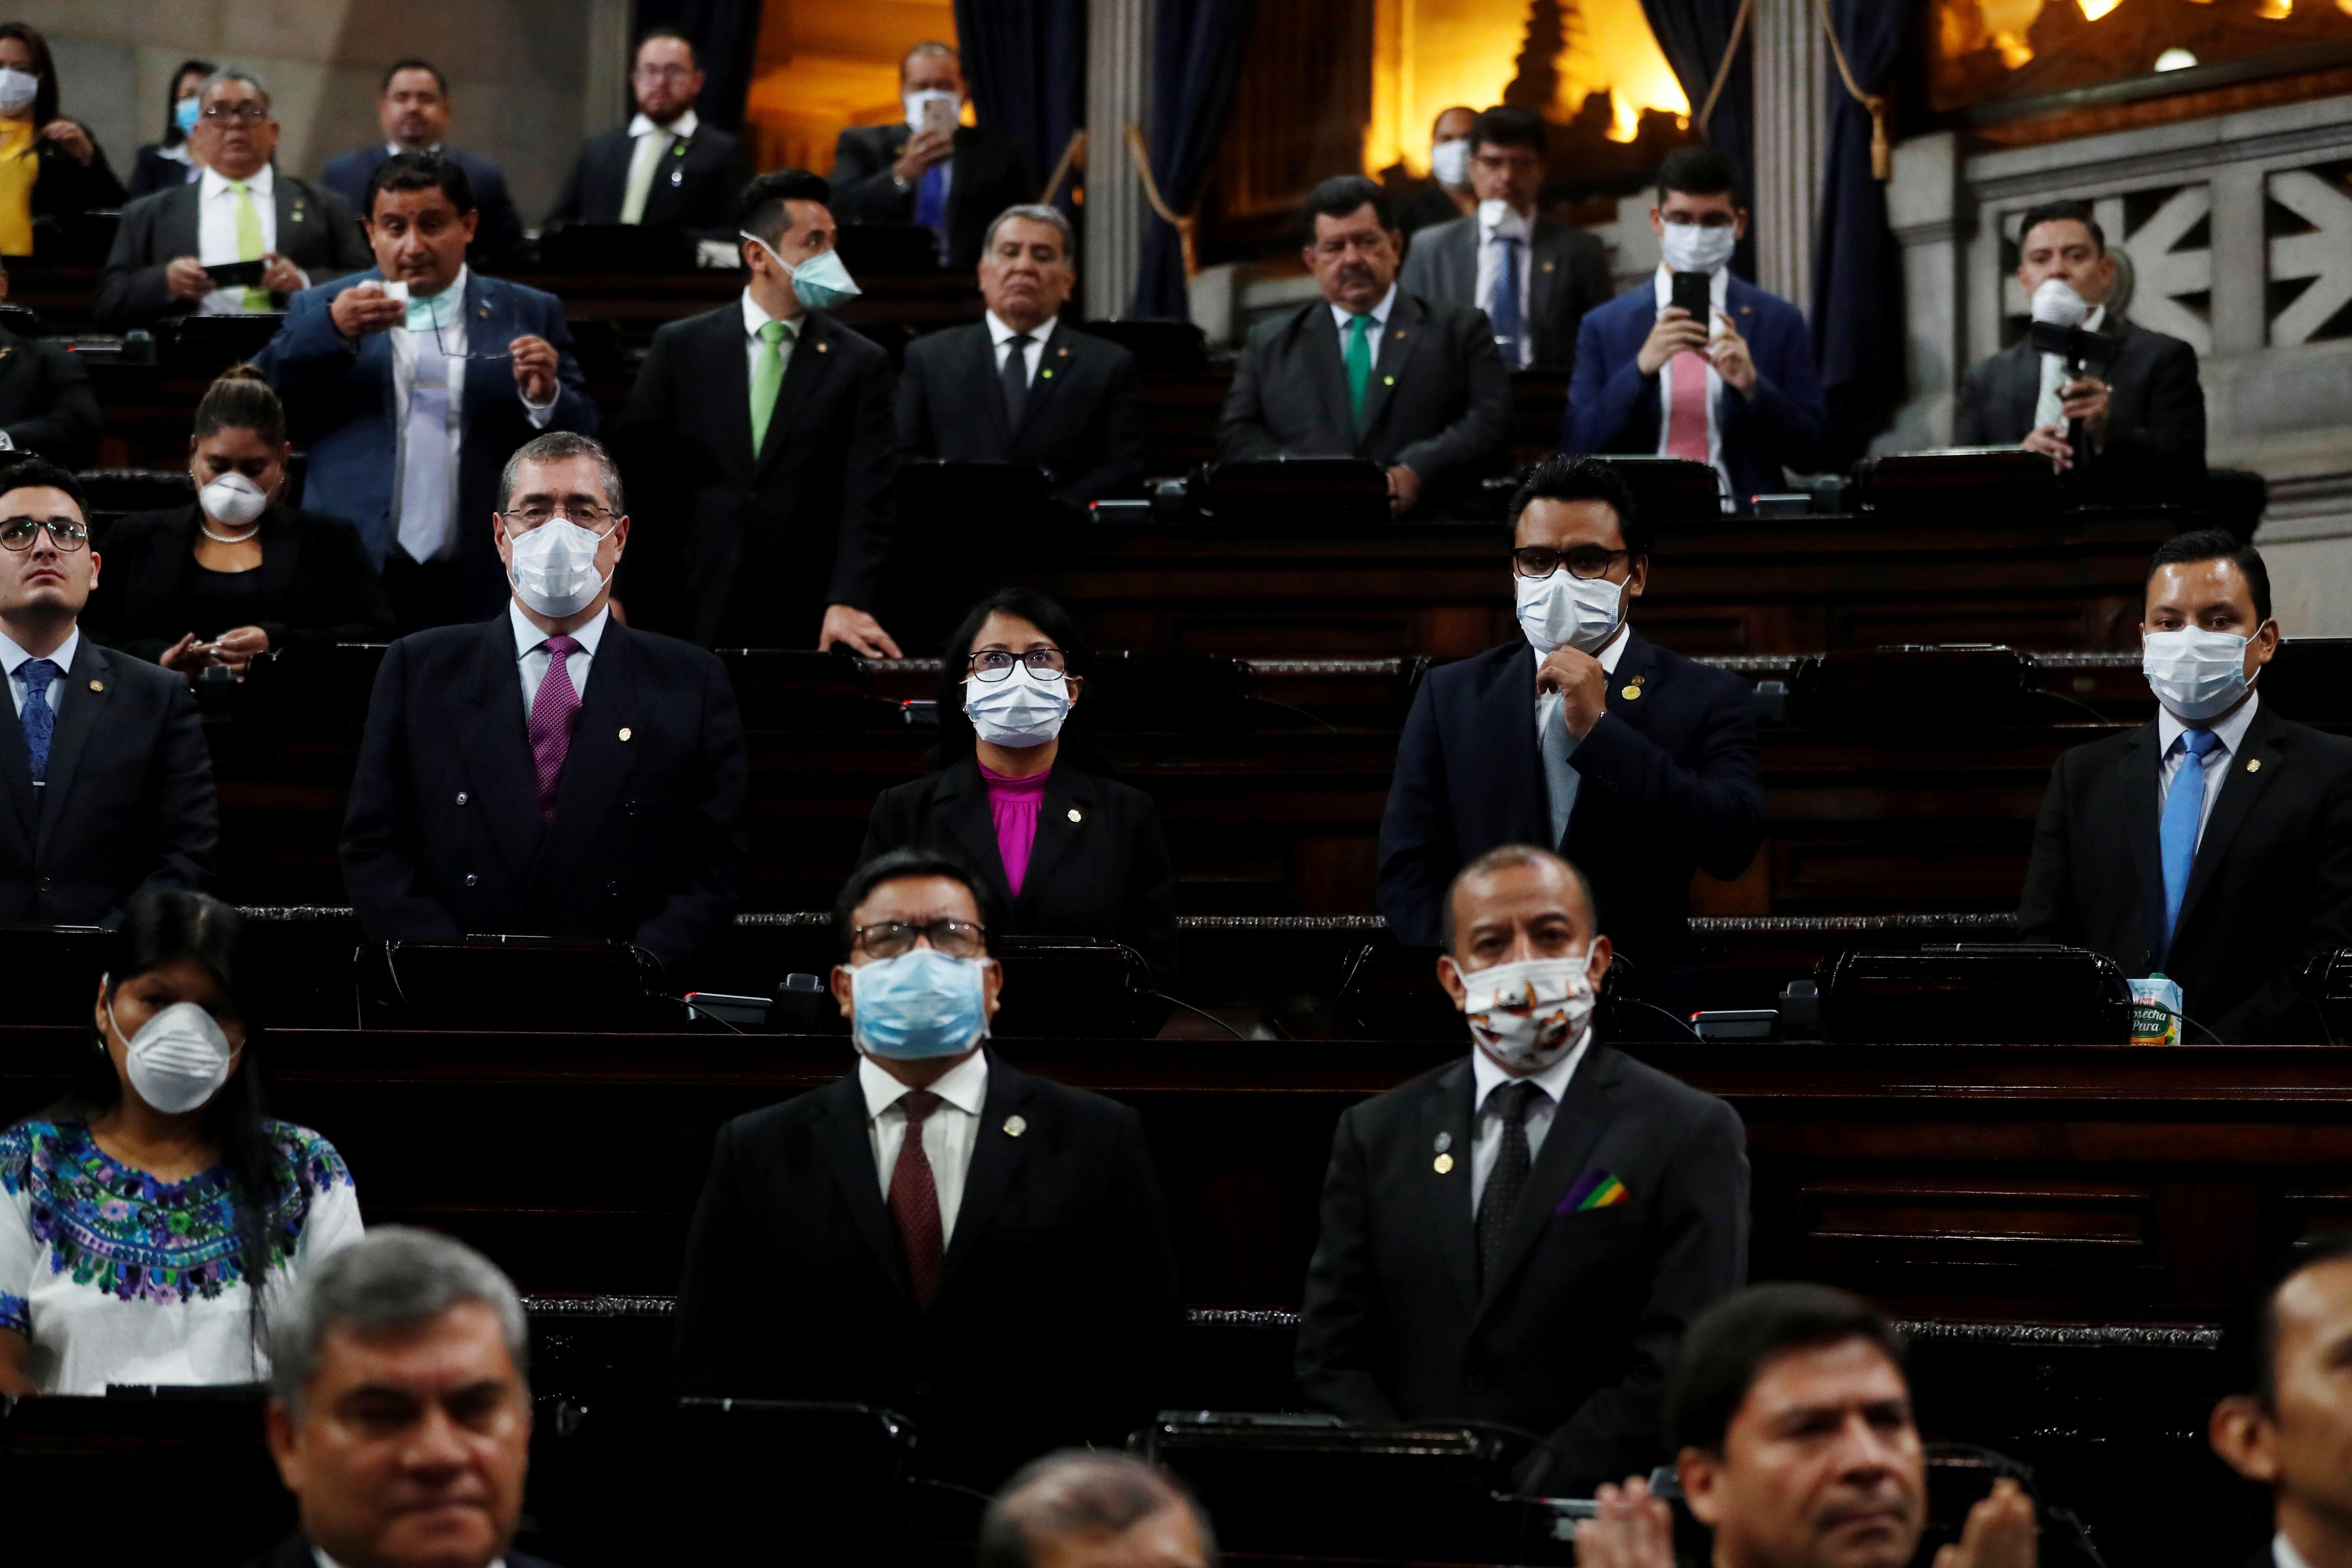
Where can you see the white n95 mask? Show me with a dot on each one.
(2056, 303)
(1565, 610)
(1018, 711)
(178, 1059)
(555, 568)
(232, 498)
(18, 90)
(2195, 674)
(1529, 1014)
(1450, 162)
(1695, 247)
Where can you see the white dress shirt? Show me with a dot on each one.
(755, 318)
(2284, 1554)
(403, 381)
(1718, 292)
(531, 652)
(217, 230)
(1379, 313)
(1548, 700)
(1487, 1118)
(644, 159)
(1000, 338)
(2230, 731)
(11, 655)
(949, 1132)
(1520, 227)
(2049, 406)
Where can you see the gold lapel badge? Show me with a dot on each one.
(98, 686)
(1015, 1125)
(1631, 693)
(625, 732)
(1047, 372)
(1442, 1163)
(1074, 813)
(2253, 764)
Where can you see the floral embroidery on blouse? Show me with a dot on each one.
(122, 1232)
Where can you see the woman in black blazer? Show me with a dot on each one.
(162, 164)
(1022, 800)
(69, 174)
(233, 573)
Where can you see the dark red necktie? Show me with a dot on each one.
(915, 1199)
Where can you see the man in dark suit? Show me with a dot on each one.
(980, 1249)
(2213, 844)
(551, 772)
(1535, 279)
(951, 179)
(1520, 1236)
(102, 756)
(1741, 394)
(666, 169)
(46, 404)
(1020, 387)
(763, 430)
(1636, 762)
(2141, 414)
(1371, 370)
(2286, 1427)
(1446, 194)
(413, 110)
(413, 382)
(240, 210)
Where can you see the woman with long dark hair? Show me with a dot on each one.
(50, 167)
(150, 1220)
(1020, 794)
(165, 164)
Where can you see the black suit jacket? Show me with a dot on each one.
(700, 180)
(1439, 401)
(1082, 421)
(2270, 885)
(1056, 1307)
(151, 172)
(750, 547)
(2156, 411)
(294, 1552)
(499, 243)
(66, 188)
(1568, 275)
(316, 232)
(46, 402)
(987, 174)
(1573, 1336)
(443, 837)
(316, 583)
(1100, 865)
(1670, 783)
(129, 804)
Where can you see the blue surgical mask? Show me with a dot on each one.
(185, 113)
(820, 281)
(920, 1003)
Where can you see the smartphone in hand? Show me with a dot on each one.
(940, 114)
(235, 274)
(1692, 292)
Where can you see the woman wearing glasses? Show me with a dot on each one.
(49, 167)
(1022, 799)
(236, 573)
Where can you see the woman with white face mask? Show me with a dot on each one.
(235, 574)
(50, 168)
(1022, 799)
(151, 1219)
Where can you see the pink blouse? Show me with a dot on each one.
(1013, 804)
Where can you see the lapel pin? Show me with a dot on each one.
(6, 352)
(1631, 693)
(824, 348)
(1445, 1142)
(484, 312)
(2253, 764)
(1015, 1125)
(1388, 381)
(1400, 337)
(1066, 354)
(1047, 372)
(625, 732)
(1442, 1163)
(1074, 813)
(98, 686)
(1547, 267)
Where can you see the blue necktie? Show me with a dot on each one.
(40, 718)
(1506, 313)
(931, 201)
(1561, 780)
(2184, 813)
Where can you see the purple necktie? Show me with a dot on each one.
(554, 713)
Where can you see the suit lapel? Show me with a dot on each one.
(1065, 816)
(847, 1148)
(995, 1158)
(1399, 343)
(989, 382)
(2251, 768)
(16, 771)
(281, 551)
(1576, 1128)
(808, 369)
(1327, 368)
(88, 689)
(1445, 1115)
(488, 320)
(2024, 384)
(496, 742)
(294, 212)
(178, 227)
(599, 762)
(961, 806)
(1511, 717)
(2137, 814)
(1055, 366)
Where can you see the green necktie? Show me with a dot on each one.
(249, 241)
(767, 380)
(1359, 366)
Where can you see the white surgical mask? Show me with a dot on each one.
(921, 1003)
(1500, 217)
(18, 90)
(914, 102)
(2056, 303)
(1019, 711)
(820, 282)
(1450, 162)
(232, 498)
(1565, 610)
(1695, 248)
(555, 568)
(2195, 674)
(1529, 1014)
(178, 1059)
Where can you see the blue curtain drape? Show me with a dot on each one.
(726, 35)
(1693, 34)
(1196, 58)
(1025, 62)
(1858, 327)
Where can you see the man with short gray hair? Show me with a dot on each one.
(1018, 387)
(1083, 1508)
(399, 1411)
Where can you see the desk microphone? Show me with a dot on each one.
(2059, 313)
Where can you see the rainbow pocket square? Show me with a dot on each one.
(1594, 1190)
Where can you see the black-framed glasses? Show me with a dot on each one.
(596, 519)
(1586, 561)
(250, 114)
(503, 356)
(18, 533)
(662, 73)
(888, 939)
(1043, 664)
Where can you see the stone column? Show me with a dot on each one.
(604, 88)
(1928, 208)
(1118, 34)
(1794, 79)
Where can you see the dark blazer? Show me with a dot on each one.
(755, 546)
(2271, 883)
(700, 180)
(1100, 865)
(1574, 1335)
(498, 241)
(987, 174)
(1570, 274)
(316, 232)
(151, 172)
(1439, 403)
(1055, 1308)
(340, 392)
(1082, 421)
(2156, 411)
(294, 1552)
(1425, 206)
(1780, 422)
(1671, 784)
(66, 188)
(46, 404)
(316, 585)
(129, 804)
(443, 837)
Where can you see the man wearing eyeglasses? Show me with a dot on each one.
(939, 1232)
(102, 757)
(1580, 735)
(666, 169)
(550, 772)
(237, 240)
(419, 377)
